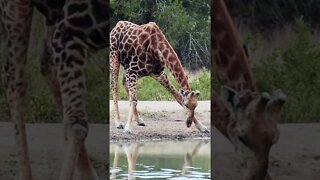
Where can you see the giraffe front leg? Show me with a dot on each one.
(131, 80)
(136, 114)
(162, 78)
(84, 165)
(16, 23)
(200, 126)
(114, 68)
(70, 67)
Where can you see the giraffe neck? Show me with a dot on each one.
(229, 56)
(170, 58)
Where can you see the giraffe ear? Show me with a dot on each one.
(277, 100)
(184, 92)
(228, 96)
(195, 93)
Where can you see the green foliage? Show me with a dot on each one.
(266, 15)
(97, 89)
(295, 70)
(202, 83)
(151, 90)
(179, 20)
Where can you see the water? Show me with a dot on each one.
(174, 160)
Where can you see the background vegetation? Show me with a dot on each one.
(284, 50)
(282, 37)
(186, 24)
(295, 70)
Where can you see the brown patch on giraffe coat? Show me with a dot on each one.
(171, 59)
(218, 27)
(143, 37)
(226, 45)
(236, 67)
(127, 47)
(154, 41)
(224, 59)
(165, 53)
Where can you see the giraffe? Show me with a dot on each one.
(143, 50)
(75, 30)
(245, 116)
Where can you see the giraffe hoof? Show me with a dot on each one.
(203, 129)
(127, 130)
(120, 126)
(206, 131)
(141, 124)
(189, 122)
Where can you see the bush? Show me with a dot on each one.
(295, 70)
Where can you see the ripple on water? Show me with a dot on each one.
(164, 173)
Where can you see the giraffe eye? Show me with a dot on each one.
(243, 140)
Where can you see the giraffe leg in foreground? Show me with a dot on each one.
(84, 165)
(49, 72)
(70, 67)
(136, 114)
(164, 81)
(15, 81)
(114, 69)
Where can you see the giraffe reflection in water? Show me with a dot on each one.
(136, 153)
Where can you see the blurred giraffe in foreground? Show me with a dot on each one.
(249, 119)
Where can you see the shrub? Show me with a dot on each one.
(295, 70)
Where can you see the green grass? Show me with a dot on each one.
(151, 90)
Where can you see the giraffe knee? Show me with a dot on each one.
(79, 129)
(134, 102)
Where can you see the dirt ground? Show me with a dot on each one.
(164, 120)
(296, 156)
(46, 145)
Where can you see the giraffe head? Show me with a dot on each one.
(189, 101)
(253, 126)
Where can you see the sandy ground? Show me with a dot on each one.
(46, 147)
(164, 120)
(296, 156)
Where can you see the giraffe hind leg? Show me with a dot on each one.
(114, 68)
(131, 80)
(136, 114)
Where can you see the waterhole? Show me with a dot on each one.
(189, 159)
